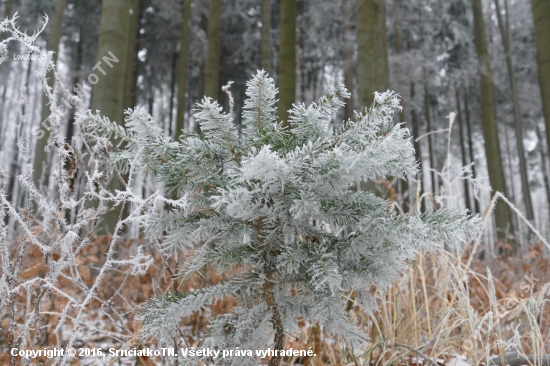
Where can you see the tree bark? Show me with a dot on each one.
(200, 87)
(372, 49)
(8, 9)
(398, 50)
(131, 52)
(182, 68)
(428, 117)
(404, 184)
(471, 148)
(172, 92)
(417, 147)
(287, 59)
(76, 78)
(348, 56)
(492, 149)
(463, 150)
(302, 46)
(541, 17)
(544, 161)
(213, 54)
(276, 321)
(372, 54)
(8, 12)
(504, 27)
(41, 157)
(15, 166)
(114, 33)
(109, 91)
(265, 45)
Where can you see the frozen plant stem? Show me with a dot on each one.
(270, 300)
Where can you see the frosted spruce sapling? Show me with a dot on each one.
(275, 212)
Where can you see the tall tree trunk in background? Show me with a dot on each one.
(114, 33)
(541, 17)
(302, 46)
(512, 191)
(213, 53)
(372, 55)
(200, 88)
(544, 162)
(404, 184)
(348, 56)
(398, 50)
(428, 116)
(490, 132)
(287, 59)
(8, 9)
(77, 66)
(265, 42)
(172, 92)
(41, 158)
(463, 149)
(417, 147)
(130, 80)
(373, 71)
(151, 95)
(109, 91)
(470, 148)
(182, 68)
(8, 12)
(15, 166)
(504, 26)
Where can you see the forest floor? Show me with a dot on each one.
(443, 310)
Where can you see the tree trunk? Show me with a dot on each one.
(492, 150)
(114, 33)
(182, 68)
(372, 49)
(41, 158)
(544, 161)
(213, 54)
(77, 66)
(511, 189)
(8, 9)
(463, 150)
(471, 148)
(504, 27)
(302, 26)
(417, 147)
(8, 12)
(287, 59)
(416, 129)
(348, 56)
(109, 91)
(172, 92)
(151, 99)
(15, 166)
(398, 50)
(541, 17)
(200, 88)
(404, 184)
(428, 117)
(372, 54)
(265, 42)
(131, 52)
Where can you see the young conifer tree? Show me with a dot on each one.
(275, 212)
